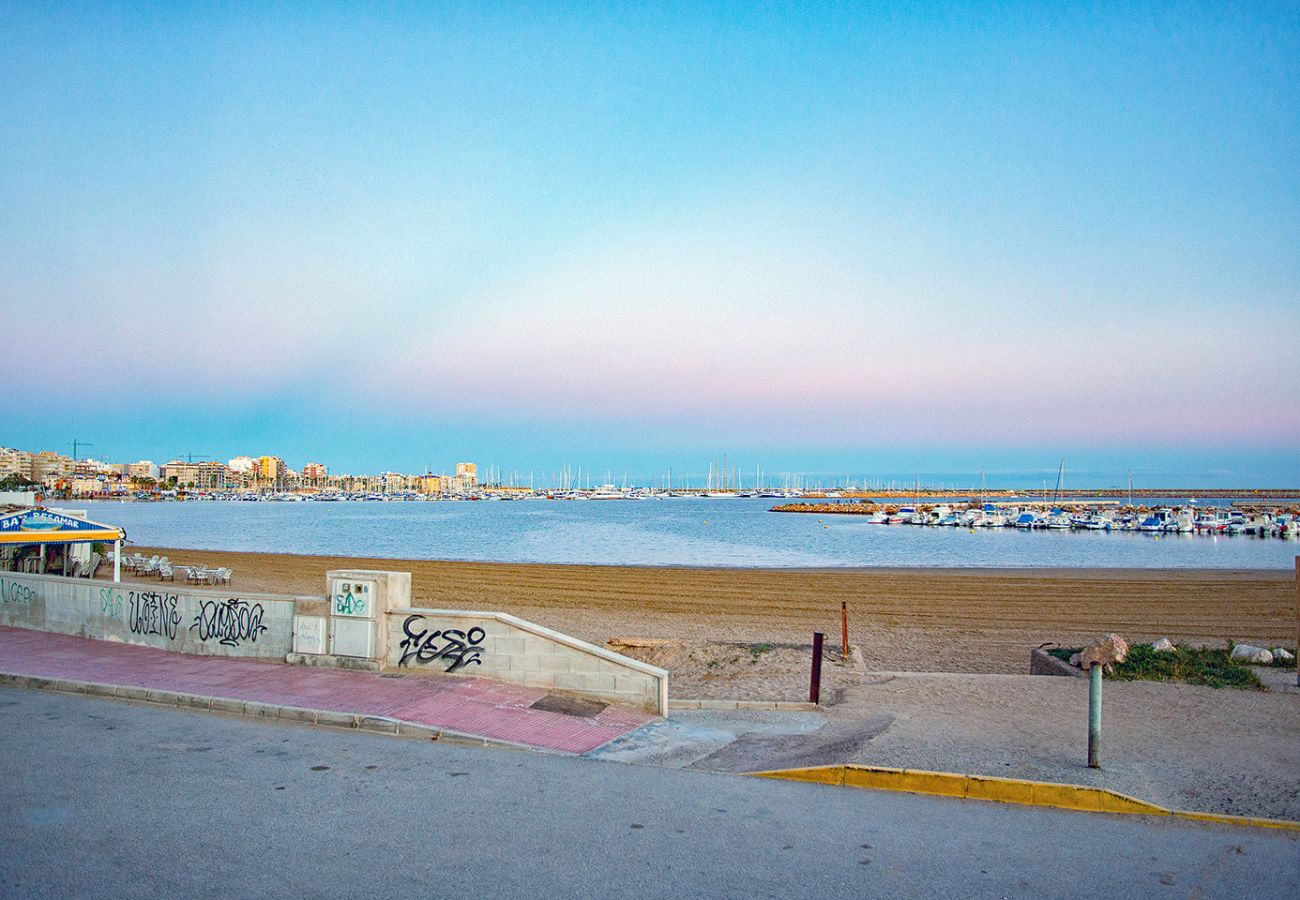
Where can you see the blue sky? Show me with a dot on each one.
(836, 238)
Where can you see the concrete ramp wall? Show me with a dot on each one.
(434, 641)
(500, 646)
(165, 616)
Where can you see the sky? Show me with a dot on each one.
(863, 239)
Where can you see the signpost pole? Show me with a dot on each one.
(1094, 716)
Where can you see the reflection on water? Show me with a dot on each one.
(692, 532)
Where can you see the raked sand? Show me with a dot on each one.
(936, 620)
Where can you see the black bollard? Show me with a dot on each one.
(815, 683)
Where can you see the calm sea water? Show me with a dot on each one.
(691, 532)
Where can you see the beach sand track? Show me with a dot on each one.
(955, 620)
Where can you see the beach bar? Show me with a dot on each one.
(38, 526)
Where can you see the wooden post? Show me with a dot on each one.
(844, 622)
(815, 682)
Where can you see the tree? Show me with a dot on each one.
(15, 482)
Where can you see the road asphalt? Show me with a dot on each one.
(106, 798)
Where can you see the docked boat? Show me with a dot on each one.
(1156, 521)
(1057, 519)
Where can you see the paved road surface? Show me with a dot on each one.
(104, 798)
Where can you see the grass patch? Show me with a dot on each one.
(1189, 665)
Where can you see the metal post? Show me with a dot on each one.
(815, 684)
(844, 625)
(1297, 621)
(1094, 716)
(117, 560)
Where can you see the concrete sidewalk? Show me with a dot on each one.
(470, 706)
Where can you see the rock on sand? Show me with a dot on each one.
(1255, 656)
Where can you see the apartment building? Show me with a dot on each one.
(144, 468)
(15, 462)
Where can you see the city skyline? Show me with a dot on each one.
(834, 239)
(701, 473)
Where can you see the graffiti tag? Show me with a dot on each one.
(460, 648)
(16, 592)
(231, 621)
(152, 612)
(110, 603)
(349, 604)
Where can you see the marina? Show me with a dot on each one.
(1100, 515)
(687, 531)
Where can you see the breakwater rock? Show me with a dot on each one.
(851, 509)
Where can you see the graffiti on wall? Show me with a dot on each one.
(153, 612)
(111, 603)
(352, 599)
(458, 648)
(16, 592)
(230, 621)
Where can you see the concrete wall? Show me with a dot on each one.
(437, 641)
(500, 646)
(166, 616)
(1043, 663)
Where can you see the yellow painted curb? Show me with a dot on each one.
(1005, 790)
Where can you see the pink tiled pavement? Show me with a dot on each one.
(477, 706)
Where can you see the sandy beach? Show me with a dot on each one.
(936, 620)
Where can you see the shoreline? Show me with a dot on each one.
(1285, 573)
(983, 620)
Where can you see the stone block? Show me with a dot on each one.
(382, 726)
(424, 732)
(336, 719)
(296, 714)
(588, 664)
(525, 662)
(597, 685)
(69, 687)
(506, 646)
(553, 662)
(127, 692)
(167, 698)
(257, 709)
(1043, 663)
(635, 683)
(227, 705)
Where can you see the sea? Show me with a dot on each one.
(739, 532)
